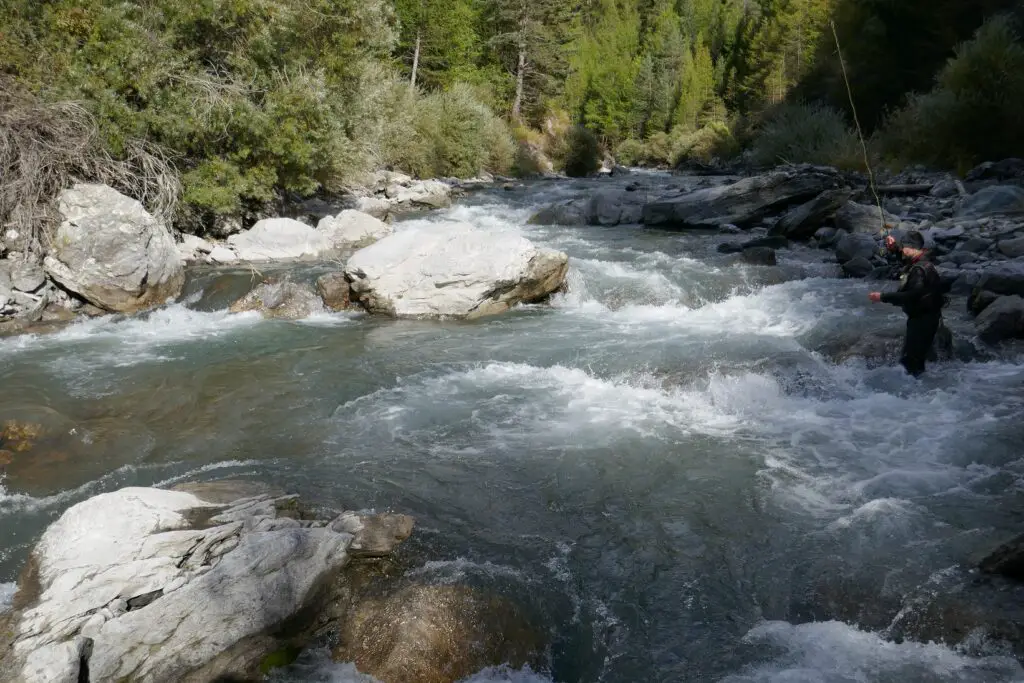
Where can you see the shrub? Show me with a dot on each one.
(45, 147)
(802, 133)
(973, 113)
(462, 135)
(631, 153)
(581, 155)
(712, 142)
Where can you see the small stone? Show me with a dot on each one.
(975, 245)
(759, 256)
(221, 254)
(334, 289)
(858, 267)
(28, 277)
(1012, 248)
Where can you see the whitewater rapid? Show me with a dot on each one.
(665, 462)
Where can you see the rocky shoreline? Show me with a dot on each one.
(110, 255)
(228, 580)
(974, 227)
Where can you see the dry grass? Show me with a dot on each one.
(45, 148)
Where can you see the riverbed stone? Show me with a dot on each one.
(354, 229)
(453, 270)
(191, 247)
(1011, 248)
(1002, 319)
(743, 203)
(284, 300)
(803, 221)
(993, 201)
(437, 634)
(979, 300)
(858, 267)
(334, 289)
(1006, 560)
(974, 245)
(27, 276)
(759, 256)
(856, 245)
(864, 218)
(223, 255)
(111, 252)
(569, 213)
(163, 586)
(279, 239)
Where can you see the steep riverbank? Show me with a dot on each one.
(676, 465)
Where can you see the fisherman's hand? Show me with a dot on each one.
(875, 296)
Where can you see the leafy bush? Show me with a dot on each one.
(973, 113)
(806, 133)
(462, 136)
(712, 142)
(45, 147)
(631, 153)
(582, 153)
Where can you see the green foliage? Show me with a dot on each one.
(713, 142)
(631, 152)
(582, 154)
(973, 113)
(796, 133)
(461, 136)
(439, 38)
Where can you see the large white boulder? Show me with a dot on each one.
(281, 239)
(354, 229)
(150, 585)
(110, 251)
(453, 270)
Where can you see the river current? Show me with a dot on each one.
(666, 465)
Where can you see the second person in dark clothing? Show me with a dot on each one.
(921, 297)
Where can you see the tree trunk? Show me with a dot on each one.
(517, 104)
(415, 60)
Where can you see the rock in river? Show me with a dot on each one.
(742, 203)
(166, 586)
(275, 239)
(354, 229)
(1002, 319)
(453, 270)
(285, 300)
(436, 634)
(112, 253)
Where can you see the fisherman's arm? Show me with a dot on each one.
(912, 291)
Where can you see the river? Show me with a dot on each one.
(664, 465)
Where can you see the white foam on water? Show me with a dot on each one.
(129, 341)
(20, 503)
(330, 319)
(506, 674)
(507, 404)
(212, 467)
(787, 310)
(887, 440)
(449, 572)
(7, 591)
(834, 652)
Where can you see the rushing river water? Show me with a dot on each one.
(663, 465)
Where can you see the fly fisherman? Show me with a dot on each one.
(921, 297)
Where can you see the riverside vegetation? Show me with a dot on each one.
(213, 111)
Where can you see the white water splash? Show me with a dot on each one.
(834, 652)
(7, 591)
(507, 404)
(15, 503)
